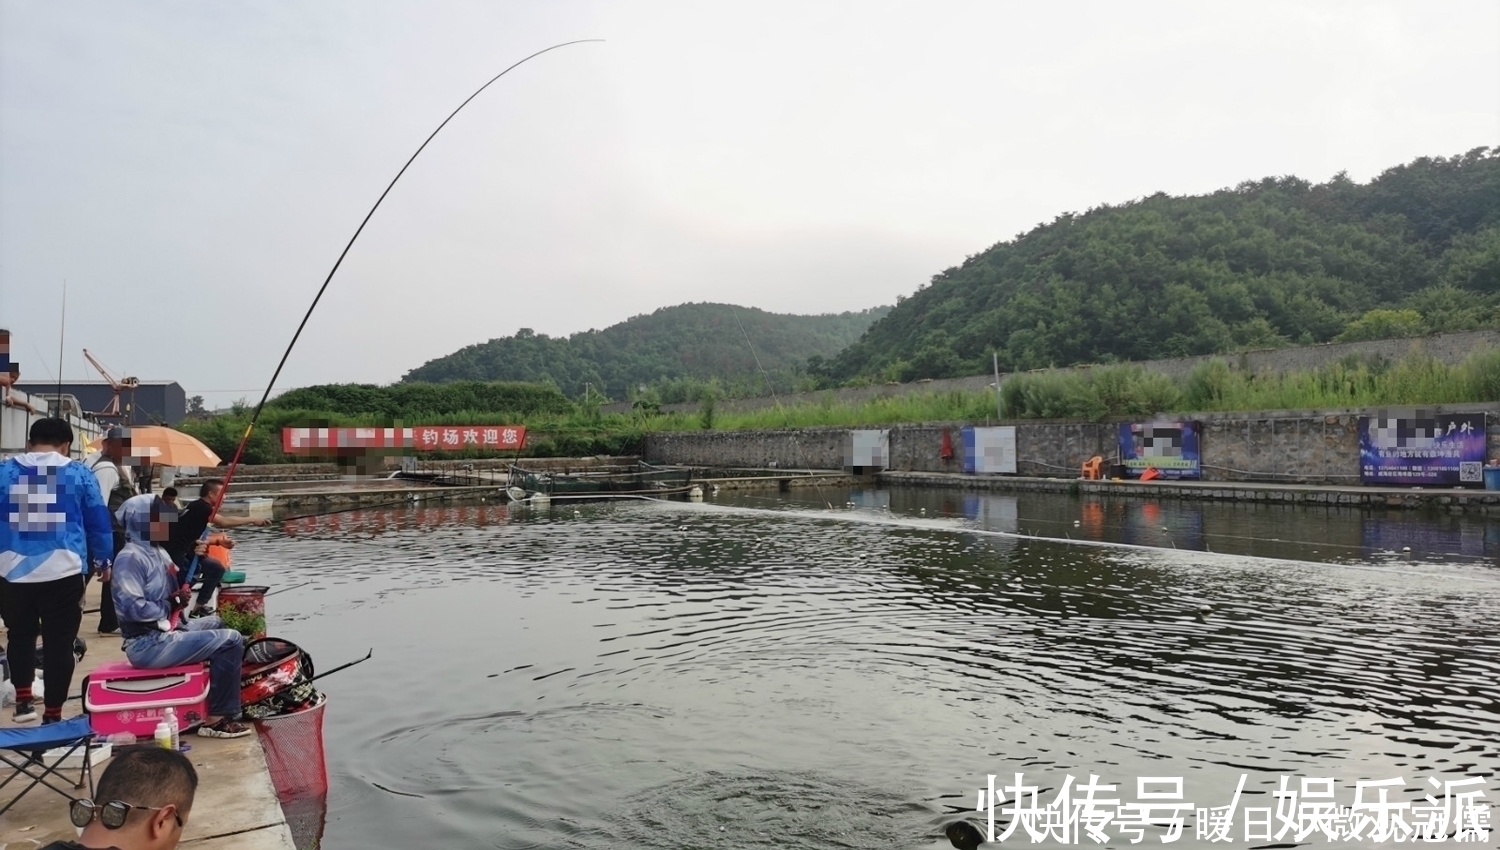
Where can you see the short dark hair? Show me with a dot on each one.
(51, 432)
(161, 511)
(208, 485)
(169, 493)
(149, 776)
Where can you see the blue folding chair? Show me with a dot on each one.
(22, 749)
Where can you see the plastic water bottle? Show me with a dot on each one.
(163, 736)
(171, 721)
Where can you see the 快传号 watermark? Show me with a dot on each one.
(1303, 808)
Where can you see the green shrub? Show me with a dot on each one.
(243, 622)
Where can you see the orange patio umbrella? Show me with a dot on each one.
(166, 447)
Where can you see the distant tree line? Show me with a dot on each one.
(410, 401)
(1271, 263)
(680, 353)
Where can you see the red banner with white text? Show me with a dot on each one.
(454, 438)
(421, 438)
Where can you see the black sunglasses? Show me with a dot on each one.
(112, 814)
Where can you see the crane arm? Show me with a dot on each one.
(114, 384)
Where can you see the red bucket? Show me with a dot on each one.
(246, 601)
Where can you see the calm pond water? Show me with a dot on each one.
(838, 669)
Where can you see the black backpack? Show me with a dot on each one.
(114, 499)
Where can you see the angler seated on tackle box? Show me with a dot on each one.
(149, 600)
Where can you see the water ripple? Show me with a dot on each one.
(784, 674)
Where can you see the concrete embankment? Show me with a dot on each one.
(1455, 500)
(236, 806)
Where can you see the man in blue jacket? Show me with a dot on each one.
(53, 525)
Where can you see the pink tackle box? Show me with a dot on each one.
(121, 698)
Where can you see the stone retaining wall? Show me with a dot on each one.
(1292, 446)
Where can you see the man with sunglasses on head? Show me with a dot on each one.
(142, 803)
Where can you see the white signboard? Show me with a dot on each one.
(870, 449)
(990, 450)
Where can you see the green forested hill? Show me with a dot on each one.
(1268, 263)
(689, 342)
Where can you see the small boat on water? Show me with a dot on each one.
(639, 479)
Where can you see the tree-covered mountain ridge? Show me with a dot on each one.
(686, 346)
(1268, 263)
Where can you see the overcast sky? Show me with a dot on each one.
(192, 170)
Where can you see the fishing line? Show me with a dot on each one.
(260, 406)
(239, 450)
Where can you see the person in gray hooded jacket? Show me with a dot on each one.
(147, 596)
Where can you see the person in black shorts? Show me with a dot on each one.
(185, 538)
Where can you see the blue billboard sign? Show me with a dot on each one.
(1424, 449)
(1170, 448)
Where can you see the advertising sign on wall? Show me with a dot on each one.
(1423, 449)
(869, 449)
(990, 449)
(1170, 448)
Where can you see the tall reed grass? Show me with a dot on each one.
(1116, 391)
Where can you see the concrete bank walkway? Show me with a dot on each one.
(236, 806)
(1452, 500)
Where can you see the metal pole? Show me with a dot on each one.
(999, 403)
(61, 330)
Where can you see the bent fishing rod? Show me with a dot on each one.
(260, 406)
